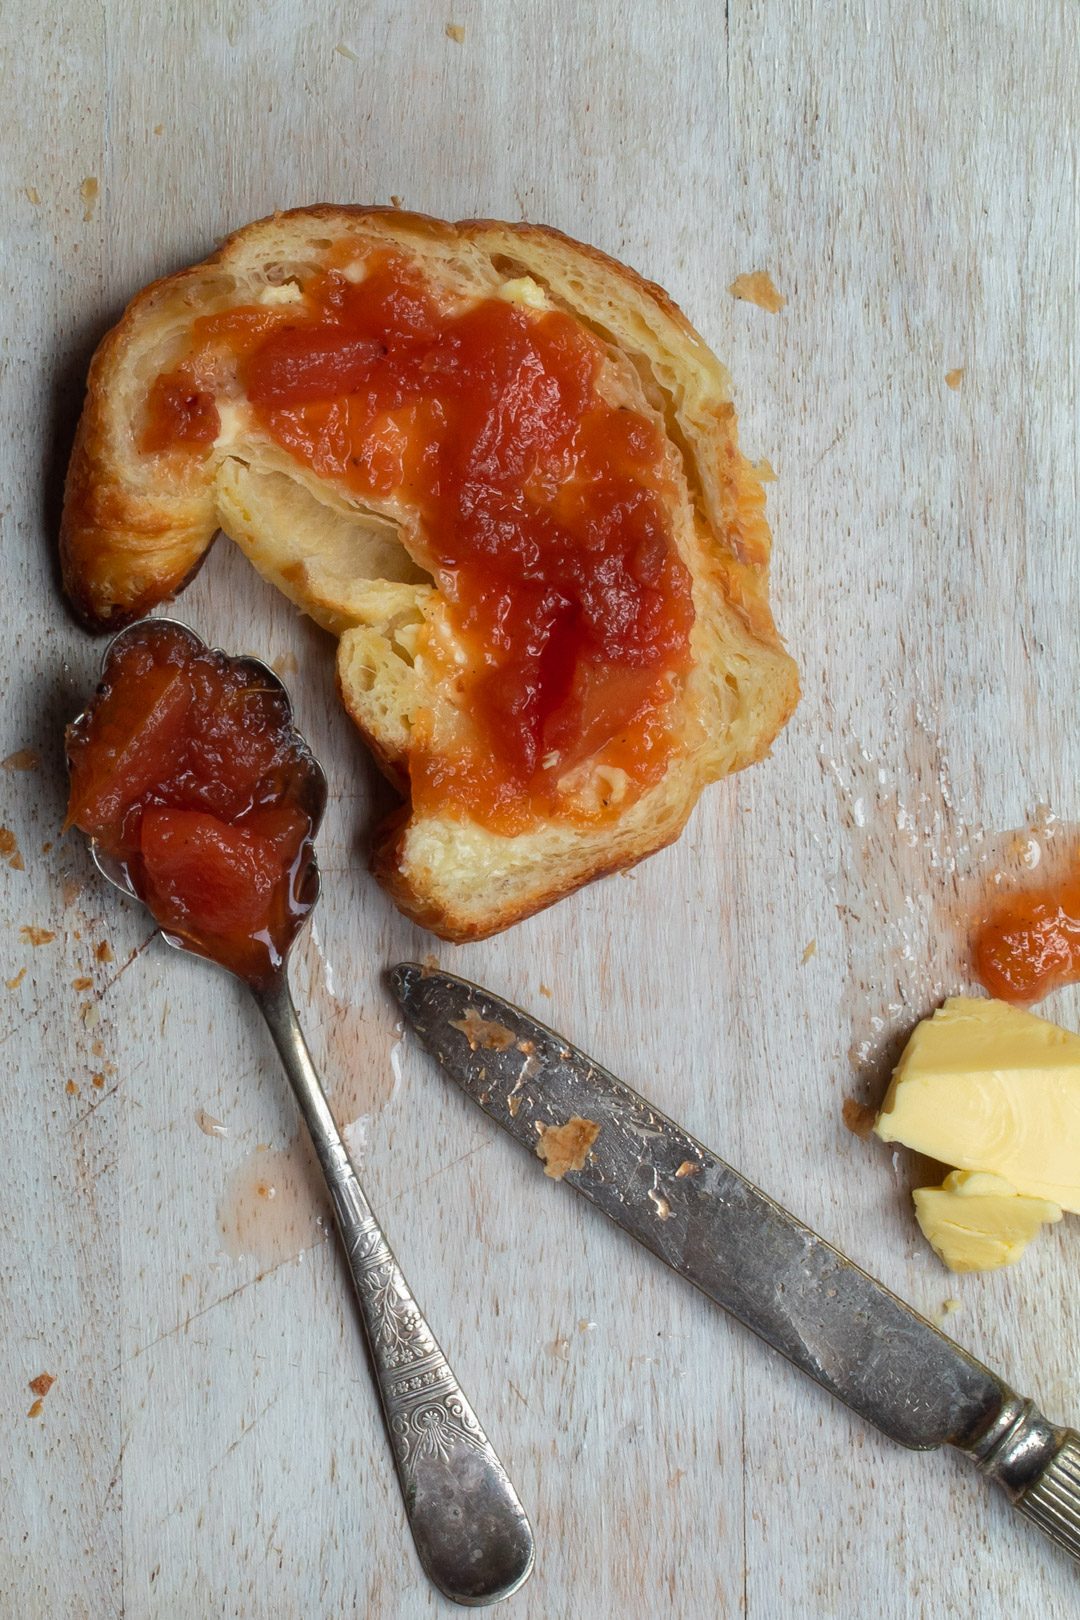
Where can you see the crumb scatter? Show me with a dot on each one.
(757, 287)
(9, 850)
(858, 1117)
(566, 1147)
(483, 1032)
(23, 759)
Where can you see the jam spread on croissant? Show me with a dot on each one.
(542, 507)
(1029, 944)
(187, 773)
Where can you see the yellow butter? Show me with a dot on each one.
(977, 1221)
(985, 1086)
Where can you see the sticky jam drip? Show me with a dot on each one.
(187, 773)
(543, 509)
(1029, 943)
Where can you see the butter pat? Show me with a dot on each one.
(977, 1221)
(985, 1086)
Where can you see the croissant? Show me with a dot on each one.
(502, 470)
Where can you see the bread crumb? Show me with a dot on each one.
(88, 192)
(396, 200)
(37, 1409)
(663, 1208)
(36, 936)
(23, 759)
(953, 379)
(98, 1082)
(948, 1306)
(159, 129)
(90, 1013)
(483, 1032)
(9, 850)
(689, 1167)
(756, 287)
(42, 1384)
(560, 1347)
(32, 195)
(546, 990)
(858, 1118)
(346, 52)
(98, 1048)
(513, 1103)
(566, 1147)
(46, 846)
(13, 984)
(764, 470)
(103, 951)
(82, 983)
(429, 964)
(456, 32)
(285, 665)
(209, 1125)
(809, 951)
(72, 1089)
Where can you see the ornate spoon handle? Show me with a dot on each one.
(469, 1527)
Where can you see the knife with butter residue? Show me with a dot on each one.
(740, 1248)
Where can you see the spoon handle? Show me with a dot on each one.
(470, 1529)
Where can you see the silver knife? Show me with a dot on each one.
(740, 1248)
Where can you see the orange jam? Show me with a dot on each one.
(1030, 943)
(187, 773)
(542, 505)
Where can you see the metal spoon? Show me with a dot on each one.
(470, 1529)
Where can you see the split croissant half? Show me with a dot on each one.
(138, 520)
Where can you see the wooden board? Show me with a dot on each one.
(211, 1445)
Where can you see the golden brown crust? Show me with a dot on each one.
(424, 908)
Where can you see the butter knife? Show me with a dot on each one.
(720, 1232)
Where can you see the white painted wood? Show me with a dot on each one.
(211, 1446)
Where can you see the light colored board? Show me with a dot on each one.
(212, 1445)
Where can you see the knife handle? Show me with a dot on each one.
(1038, 1466)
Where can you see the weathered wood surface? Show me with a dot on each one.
(211, 1445)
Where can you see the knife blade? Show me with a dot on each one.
(740, 1248)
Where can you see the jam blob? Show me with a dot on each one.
(1029, 944)
(540, 505)
(188, 775)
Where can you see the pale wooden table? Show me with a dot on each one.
(211, 1446)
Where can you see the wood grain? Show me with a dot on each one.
(211, 1445)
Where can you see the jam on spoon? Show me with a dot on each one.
(201, 799)
(190, 778)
